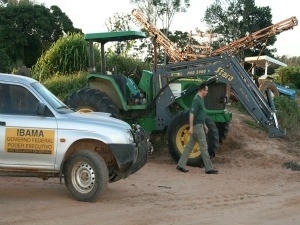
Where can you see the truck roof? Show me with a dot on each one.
(16, 78)
(114, 36)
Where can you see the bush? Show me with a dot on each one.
(67, 55)
(289, 76)
(127, 66)
(288, 114)
(62, 86)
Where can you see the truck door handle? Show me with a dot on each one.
(2, 123)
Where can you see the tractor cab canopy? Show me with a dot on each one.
(105, 37)
(114, 36)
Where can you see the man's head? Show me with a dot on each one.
(203, 90)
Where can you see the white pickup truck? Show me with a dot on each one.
(41, 137)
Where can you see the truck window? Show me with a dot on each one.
(17, 100)
(2, 103)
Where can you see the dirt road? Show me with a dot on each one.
(252, 187)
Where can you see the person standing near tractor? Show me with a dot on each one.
(197, 132)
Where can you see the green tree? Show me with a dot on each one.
(148, 9)
(26, 30)
(290, 61)
(121, 22)
(163, 10)
(128, 66)
(4, 62)
(234, 19)
(289, 76)
(166, 10)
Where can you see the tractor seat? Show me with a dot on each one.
(121, 81)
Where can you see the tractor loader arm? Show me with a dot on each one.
(225, 69)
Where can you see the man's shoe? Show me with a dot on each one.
(212, 172)
(182, 169)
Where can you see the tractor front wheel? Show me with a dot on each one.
(269, 85)
(92, 100)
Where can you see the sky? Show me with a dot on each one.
(90, 16)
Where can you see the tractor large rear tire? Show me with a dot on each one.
(92, 100)
(222, 130)
(177, 136)
(212, 137)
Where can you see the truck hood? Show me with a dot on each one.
(98, 118)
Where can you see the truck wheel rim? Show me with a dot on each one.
(83, 177)
(182, 139)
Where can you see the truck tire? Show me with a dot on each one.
(177, 136)
(86, 175)
(92, 100)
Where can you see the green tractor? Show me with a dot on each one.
(161, 99)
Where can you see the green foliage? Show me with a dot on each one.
(234, 19)
(169, 7)
(24, 71)
(127, 66)
(239, 106)
(26, 30)
(63, 85)
(5, 66)
(164, 9)
(253, 124)
(290, 61)
(289, 76)
(123, 22)
(288, 114)
(66, 56)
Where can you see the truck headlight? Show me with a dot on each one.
(130, 136)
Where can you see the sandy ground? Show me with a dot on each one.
(252, 187)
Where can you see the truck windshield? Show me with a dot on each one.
(50, 98)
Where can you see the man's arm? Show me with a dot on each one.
(191, 120)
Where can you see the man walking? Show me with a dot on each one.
(197, 133)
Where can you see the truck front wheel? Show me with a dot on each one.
(177, 136)
(86, 175)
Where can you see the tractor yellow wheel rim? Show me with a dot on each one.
(84, 110)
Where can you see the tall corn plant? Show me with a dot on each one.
(67, 55)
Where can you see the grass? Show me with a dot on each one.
(287, 112)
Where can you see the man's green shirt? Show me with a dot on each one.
(198, 109)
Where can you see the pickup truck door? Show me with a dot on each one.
(26, 139)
